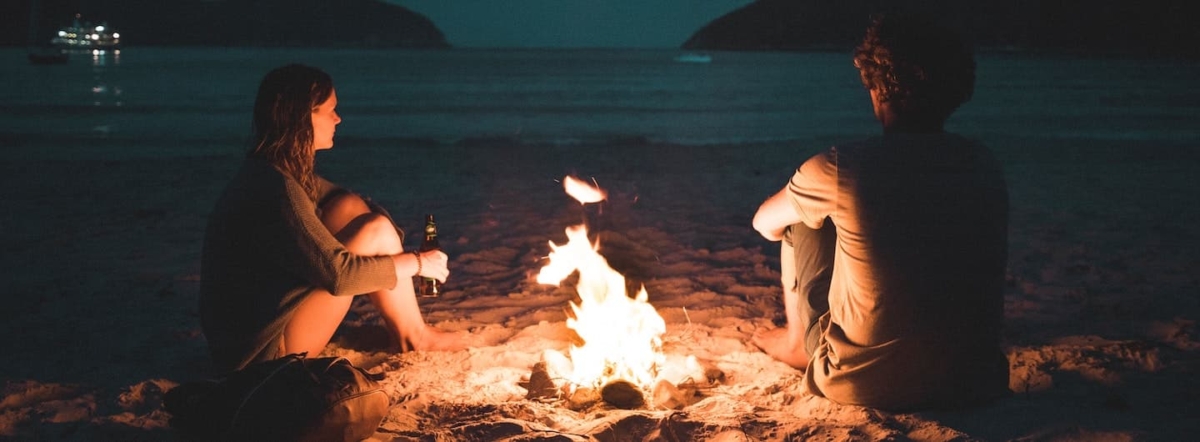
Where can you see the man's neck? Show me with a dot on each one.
(894, 124)
(913, 129)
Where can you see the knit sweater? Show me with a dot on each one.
(265, 250)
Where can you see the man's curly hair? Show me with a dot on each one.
(915, 65)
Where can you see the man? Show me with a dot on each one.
(895, 247)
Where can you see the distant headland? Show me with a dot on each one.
(346, 23)
(1154, 28)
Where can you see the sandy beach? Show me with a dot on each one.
(101, 263)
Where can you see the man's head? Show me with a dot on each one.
(917, 70)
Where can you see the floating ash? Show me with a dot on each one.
(621, 356)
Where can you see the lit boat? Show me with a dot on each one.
(88, 37)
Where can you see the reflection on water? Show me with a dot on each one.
(101, 57)
(105, 92)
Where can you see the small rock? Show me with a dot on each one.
(667, 395)
(583, 398)
(540, 386)
(622, 394)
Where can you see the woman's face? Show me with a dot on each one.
(325, 120)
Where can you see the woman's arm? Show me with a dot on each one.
(312, 252)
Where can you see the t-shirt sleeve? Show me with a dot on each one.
(315, 255)
(813, 188)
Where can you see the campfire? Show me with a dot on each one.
(620, 358)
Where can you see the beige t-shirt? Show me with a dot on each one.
(916, 297)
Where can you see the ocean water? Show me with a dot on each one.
(187, 101)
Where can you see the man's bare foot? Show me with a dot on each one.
(779, 344)
(432, 339)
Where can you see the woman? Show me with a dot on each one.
(286, 251)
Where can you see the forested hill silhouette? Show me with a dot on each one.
(368, 23)
(1158, 28)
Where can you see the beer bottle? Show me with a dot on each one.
(429, 287)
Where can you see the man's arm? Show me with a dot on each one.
(774, 215)
(809, 197)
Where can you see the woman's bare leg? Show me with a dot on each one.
(371, 234)
(314, 321)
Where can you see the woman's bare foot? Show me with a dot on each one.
(779, 344)
(432, 339)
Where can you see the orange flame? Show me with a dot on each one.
(582, 191)
(622, 336)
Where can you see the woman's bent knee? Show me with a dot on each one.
(338, 211)
(381, 228)
(371, 234)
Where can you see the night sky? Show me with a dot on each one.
(1127, 27)
(570, 23)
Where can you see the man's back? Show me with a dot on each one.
(916, 296)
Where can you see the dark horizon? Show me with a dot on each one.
(1155, 28)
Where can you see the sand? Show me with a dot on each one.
(101, 252)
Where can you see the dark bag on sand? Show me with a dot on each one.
(292, 398)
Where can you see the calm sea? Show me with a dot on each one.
(168, 101)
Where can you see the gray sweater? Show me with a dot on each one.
(265, 250)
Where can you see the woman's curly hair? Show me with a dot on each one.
(283, 131)
(915, 65)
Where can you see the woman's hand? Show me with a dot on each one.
(431, 264)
